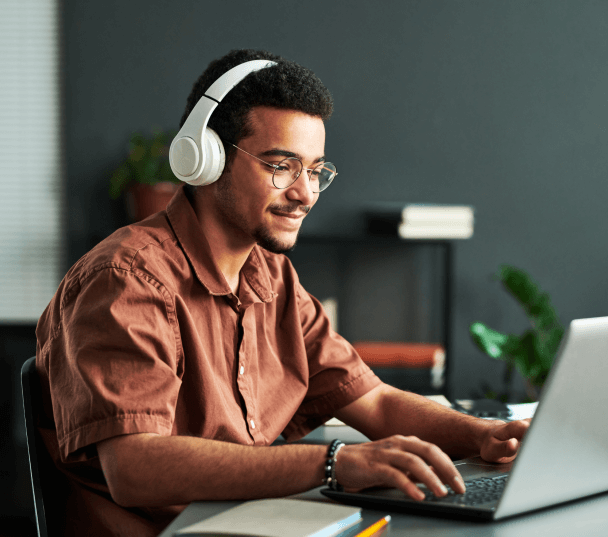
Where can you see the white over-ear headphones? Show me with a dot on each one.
(197, 154)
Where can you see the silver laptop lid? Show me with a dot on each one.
(565, 452)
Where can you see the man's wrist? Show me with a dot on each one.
(330, 465)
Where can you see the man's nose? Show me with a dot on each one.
(301, 189)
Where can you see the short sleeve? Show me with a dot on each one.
(337, 375)
(115, 364)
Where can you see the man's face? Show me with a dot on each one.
(251, 207)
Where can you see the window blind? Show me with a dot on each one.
(30, 158)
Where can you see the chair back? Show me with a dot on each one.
(38, 455)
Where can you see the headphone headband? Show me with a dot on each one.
(197, 155)
(218, 90)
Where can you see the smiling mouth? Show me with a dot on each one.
(289, 221)
(293, 216)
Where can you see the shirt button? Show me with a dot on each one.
(252, 424)
(242, 370)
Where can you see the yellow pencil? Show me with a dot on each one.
(375, 527)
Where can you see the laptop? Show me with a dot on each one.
(563, 457)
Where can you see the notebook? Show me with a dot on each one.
(564, 455)
(278, 518)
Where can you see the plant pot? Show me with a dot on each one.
(146, 200)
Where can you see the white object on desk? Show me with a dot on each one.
(522, 411)
(441, 399)
(519, 411)
(278, 518)
(334, 422)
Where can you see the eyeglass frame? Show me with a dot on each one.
(275, 167)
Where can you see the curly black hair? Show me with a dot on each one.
(286, 85)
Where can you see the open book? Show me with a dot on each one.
(278, 518)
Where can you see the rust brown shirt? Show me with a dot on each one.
(145, 335)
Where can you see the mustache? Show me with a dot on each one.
(291, 208)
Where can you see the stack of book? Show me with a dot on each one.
(421, 221)
(278, 518)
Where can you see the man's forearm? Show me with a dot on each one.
(389, 411)
(455, 433)
(152, 470)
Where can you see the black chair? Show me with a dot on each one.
(45, 476)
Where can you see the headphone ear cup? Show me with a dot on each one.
(215, 158)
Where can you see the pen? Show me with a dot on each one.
(375, 527)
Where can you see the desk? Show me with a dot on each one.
(577, 519)
(582, 518)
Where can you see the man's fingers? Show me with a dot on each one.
(417, 457)
(397, 462)
(508, 448)
(414, 479)
(417, 470)
(405, 484)
(504, 441)
(514, 429)
(359, 467)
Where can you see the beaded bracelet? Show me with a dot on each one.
(330, 465)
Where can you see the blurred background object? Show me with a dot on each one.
(533, 352)
(32, 218)
(145, 178)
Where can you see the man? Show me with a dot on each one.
(181, 347)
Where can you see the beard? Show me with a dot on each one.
(272, 244)
(261, 234)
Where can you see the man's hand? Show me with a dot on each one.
(502, 442)
(399, 462)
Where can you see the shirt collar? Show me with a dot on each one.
(194, 243)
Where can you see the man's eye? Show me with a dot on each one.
(281, 169)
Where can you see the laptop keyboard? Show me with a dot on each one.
(479, 491)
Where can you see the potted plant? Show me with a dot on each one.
(533, 352)
(145, 177)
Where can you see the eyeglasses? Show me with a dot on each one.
(286, 172)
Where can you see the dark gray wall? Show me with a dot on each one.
(501, 105)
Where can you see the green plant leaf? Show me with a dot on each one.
(147, 162)
(493, 343)
(534, 351)
(525, 357)
(535, 303)
(119, 180)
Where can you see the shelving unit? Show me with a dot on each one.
(386, 288)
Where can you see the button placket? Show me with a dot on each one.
(243, 381)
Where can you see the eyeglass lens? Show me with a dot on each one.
(288, 170)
